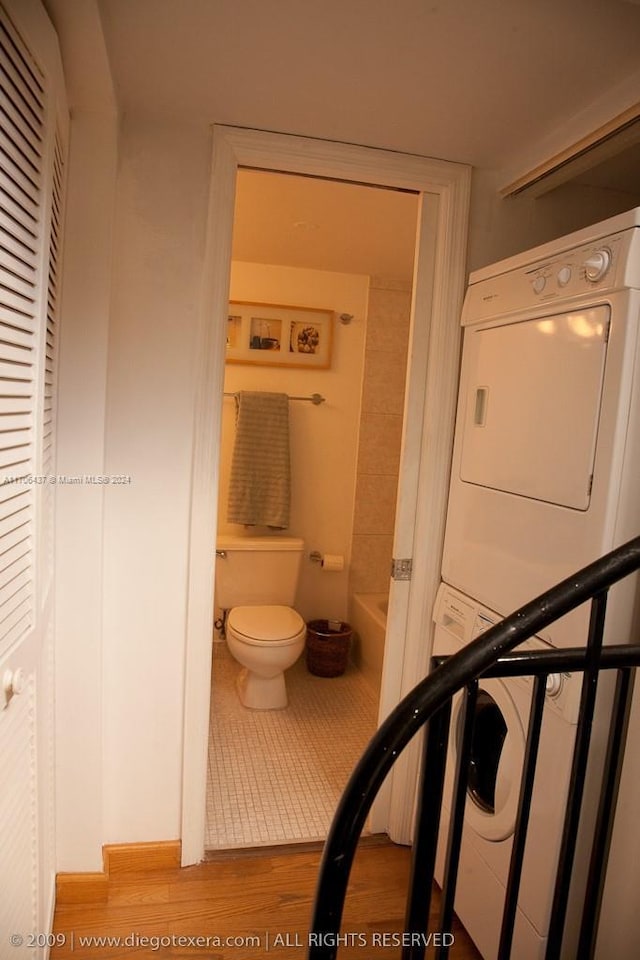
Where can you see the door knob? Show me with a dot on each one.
(13, 683)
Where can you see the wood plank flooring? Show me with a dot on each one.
(250, 904)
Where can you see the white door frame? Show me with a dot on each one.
(428, 429)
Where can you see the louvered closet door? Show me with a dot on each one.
(31, 179)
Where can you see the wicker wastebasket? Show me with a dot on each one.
(328, 643)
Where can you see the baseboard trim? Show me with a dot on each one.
(141, 857)
(118, 859)
(81, 888)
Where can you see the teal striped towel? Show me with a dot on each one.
(260, 483)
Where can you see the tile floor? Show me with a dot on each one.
(275, 776)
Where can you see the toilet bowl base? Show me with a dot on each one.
(261, 693)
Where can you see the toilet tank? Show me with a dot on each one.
(257, 570)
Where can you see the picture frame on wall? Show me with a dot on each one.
(279, 335)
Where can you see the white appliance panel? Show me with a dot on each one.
(505, 548)
(486, 852)
(510, 536)
(532, 394)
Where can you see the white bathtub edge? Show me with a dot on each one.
(369, 623)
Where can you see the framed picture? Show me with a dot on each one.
(278, 335)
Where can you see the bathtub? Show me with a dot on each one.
(368, 615)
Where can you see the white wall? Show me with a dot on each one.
(324, 439)
(503, 227)
(158, 262)
(79, 508)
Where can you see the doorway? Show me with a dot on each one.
(348, 249)
(437, 295)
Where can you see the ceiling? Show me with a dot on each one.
(484, 83)
(324, 225)
(460, 80)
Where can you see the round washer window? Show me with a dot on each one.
(487, 741)
(497, 753)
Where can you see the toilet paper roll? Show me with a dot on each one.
(332, 561)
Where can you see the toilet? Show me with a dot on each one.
(255, 584)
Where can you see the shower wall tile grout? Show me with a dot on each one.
(380, 439)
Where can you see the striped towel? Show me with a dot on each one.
(260, 484)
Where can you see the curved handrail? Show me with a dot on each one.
(422, 702)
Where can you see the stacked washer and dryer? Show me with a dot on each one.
(544, 480)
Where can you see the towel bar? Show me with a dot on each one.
(315, 398)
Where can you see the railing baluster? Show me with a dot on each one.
(576, 783)
(459, 795)
(606, 810)
(423, 854)
(484, 657)
(522, 819)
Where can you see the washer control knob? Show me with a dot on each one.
(564, 275)
(553, 685)
(597, 265)
(539, 284)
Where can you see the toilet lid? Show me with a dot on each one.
(266, 622)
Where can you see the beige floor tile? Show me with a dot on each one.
(275, 776)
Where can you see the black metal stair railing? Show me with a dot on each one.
(430, 704)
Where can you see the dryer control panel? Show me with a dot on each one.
(603, 265)
(578, 271)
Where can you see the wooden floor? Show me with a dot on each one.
(250, 904)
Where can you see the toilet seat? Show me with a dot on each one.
(269, 625)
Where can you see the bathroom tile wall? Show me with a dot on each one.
(380, 437)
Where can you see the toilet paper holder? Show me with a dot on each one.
(327, 561)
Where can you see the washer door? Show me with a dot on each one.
(495, 766)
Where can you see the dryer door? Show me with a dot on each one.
(531, 393)
(495, 767)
